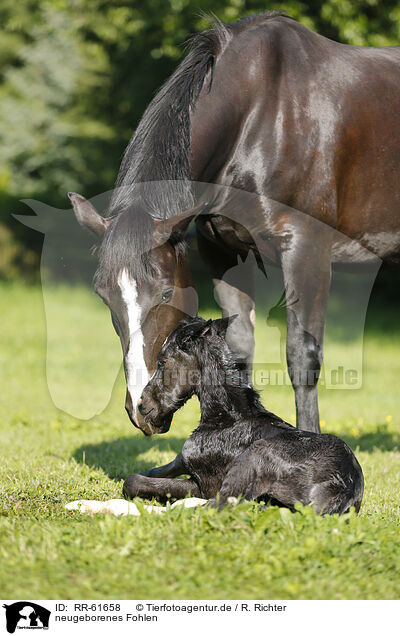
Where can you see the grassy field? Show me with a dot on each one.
(50, 458)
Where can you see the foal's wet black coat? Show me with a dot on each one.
(239, 448)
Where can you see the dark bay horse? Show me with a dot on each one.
(310, 128)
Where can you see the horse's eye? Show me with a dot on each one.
(161, 364)
(167, 295)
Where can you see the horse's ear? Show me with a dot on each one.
(87, 215)
(180, 222)
(221, 325)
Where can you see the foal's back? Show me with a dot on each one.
(268, 458)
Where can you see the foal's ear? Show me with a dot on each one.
(221, 325)
(191, 331)
(87, 215)
(218, 326)
(206, 329)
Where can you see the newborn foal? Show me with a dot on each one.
(239, 448)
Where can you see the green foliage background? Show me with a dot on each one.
(76, 75)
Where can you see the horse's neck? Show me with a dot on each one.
(223, 392)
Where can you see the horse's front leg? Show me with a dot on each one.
(149, 487)
(173, 469)
(233, 287)
(307, 274)
(240, 334)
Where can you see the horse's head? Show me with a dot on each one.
(144, 279)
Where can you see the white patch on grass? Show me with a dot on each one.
(122, 507)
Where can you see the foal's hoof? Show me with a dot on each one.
(132, 486)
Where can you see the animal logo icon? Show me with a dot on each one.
(26, 615)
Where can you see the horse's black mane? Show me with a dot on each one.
(159, 151)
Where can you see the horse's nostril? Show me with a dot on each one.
(140, 407)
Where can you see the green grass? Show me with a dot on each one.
(50, 458)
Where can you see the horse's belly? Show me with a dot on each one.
(367, 249)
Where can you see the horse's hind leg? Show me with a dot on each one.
(148, 487)
(329, 499)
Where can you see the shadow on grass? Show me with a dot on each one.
(121, 457)
(369, 442)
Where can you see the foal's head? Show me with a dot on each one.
(181, 363)
(145, 281)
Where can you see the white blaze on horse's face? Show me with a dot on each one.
(137, 375)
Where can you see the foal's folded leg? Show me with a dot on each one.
(148, 487)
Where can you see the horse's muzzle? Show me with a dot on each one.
(135, 416)
(142, 419)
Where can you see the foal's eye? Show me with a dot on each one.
(167, 295)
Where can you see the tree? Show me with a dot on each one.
(76, 75)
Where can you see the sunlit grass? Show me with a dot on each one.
(50, 457)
